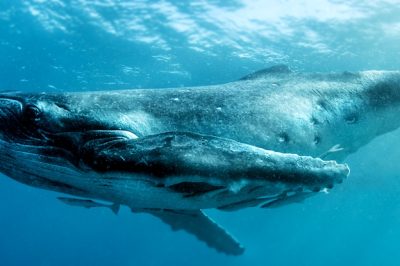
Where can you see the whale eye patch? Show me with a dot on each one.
(32, 113)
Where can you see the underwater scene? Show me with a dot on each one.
(205, 132)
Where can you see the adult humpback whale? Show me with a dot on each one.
(173, 152)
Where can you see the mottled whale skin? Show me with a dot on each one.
(271, 138)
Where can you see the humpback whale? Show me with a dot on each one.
(269, 139)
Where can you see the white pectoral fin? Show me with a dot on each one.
(203, 227)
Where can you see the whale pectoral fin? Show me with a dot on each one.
(208, 161)
(199, 224)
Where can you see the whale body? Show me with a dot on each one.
(270, 138)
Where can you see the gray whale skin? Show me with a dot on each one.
(271, 138)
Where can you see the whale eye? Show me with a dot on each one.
(351, 118)
(32, 113)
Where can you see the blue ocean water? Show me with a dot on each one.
(75, 45)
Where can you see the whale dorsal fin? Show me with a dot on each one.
(274, 70)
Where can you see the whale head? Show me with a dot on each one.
(40, 138)
(26, 153)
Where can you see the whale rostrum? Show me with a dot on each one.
(269, 139)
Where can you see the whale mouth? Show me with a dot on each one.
(23, 126)
(62, 149)
(27, 154)
(38, 157)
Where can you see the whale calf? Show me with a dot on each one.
(269, 139)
